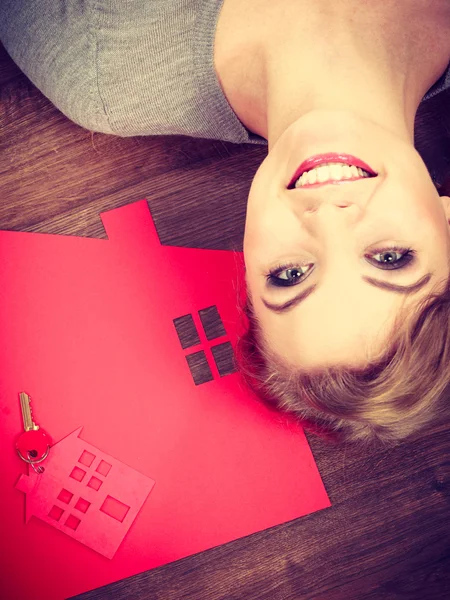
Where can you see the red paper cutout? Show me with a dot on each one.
(87, 328)
(56, 490)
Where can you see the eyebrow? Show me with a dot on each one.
(384, 285)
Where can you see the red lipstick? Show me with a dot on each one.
(331, 157)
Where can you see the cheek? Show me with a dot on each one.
(270, 226)
(272, 240)
(414, 204)
(251, 283)
(430, 223)
(263, 178)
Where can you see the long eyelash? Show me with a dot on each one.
(407, 258)
(392, 249)
(279, 268)
(273, 279)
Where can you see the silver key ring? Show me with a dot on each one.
(31, 461)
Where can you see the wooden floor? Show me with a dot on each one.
(387, 535)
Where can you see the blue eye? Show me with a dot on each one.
(381, 258)
(390, 258)
(287, 275)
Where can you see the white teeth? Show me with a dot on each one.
(312, 176)
(323, 174)
(330, 172)
(336, 171)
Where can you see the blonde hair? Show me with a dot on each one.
(388, 400)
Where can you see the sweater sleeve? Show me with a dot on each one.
(443, 83)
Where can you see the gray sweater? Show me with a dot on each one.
(128, 67)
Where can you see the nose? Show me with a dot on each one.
(354, 197)
(314, 206)
(324, 204)
(325, 215)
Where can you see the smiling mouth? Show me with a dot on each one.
(330, 169)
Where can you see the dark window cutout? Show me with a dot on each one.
(82, 505)
(187, 332)
(115, 509)
(95, 483)
(103, 468)
(224, 358)
(212, 323)
(56, 513)
(86, 458)
(198, 364)
(77, 474)
(65, 496)
(72, 522)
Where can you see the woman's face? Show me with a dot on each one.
(329, 267)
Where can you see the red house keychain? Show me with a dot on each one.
(33, 445)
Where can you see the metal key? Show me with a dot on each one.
(33, 445)
(25, 405)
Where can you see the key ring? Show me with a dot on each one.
(31, 461)
(37, 469)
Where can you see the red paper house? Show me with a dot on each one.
(134, 340)
(86, 494)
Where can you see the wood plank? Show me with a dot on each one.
(387, 534)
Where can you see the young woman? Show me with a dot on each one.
(347, 242)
